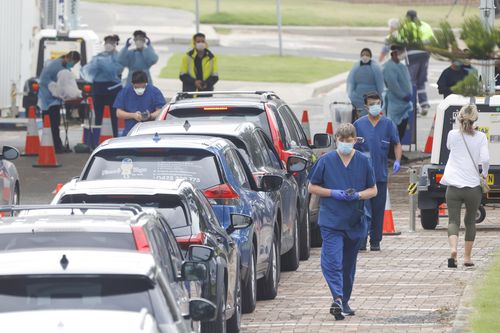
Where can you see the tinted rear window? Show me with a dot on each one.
(32, 240)
(231, 114)
(168, 205)
(122, 293)
(195, 165)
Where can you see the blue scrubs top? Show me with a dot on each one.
(129, 101)
(377, 142)
(330, 172)
(48, 75)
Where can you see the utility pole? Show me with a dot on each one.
(217, 7)
(197, 13)
(487, 67)
(278, 15)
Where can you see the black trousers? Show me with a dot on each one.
(100, 101)
(54, 113)
(401, 132)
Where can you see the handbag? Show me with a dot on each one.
(485, 188)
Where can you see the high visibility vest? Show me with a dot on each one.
(208, 64)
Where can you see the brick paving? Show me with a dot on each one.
(407, 287)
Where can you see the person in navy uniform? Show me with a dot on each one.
(342, 179)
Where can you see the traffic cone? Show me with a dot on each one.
(329, 128)
(47, 153)
(305, 125)
(58, 188)
(430, 138)
(388, 219)
(442, 210)
(106, 128)
(121, 126)
(32, 143)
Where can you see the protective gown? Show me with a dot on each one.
(364, 78)
(398, 82)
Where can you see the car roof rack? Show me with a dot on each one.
(133, 208)
(265, 94)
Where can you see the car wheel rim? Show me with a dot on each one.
(253, 281)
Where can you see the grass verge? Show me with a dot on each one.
(267, 68)
(307, 12)
(487, 301)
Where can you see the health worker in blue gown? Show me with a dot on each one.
(139, 58)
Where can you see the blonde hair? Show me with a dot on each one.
(393, 23)
(466, 117)
(345, 131)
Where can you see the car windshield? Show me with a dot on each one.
(77, 239)
(94, 292)
(195, 165)
(168, 205)
(222, 114)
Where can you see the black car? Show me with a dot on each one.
(276, 118)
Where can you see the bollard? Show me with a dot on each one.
(413, 197)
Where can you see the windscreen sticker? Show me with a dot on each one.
(126, 170)
(178, 170)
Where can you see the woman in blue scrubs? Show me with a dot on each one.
(343, 179)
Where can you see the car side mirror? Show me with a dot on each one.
(194, 271)
(296, 164)
(9, 153)
(200, 253)
(239, 221)
(270, 183)
(322, 140)
(201, 309)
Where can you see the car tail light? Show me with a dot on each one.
(164, 113)
(185, 241)
(215, 108)
(222, 194)
(141, 241)
(439, 176)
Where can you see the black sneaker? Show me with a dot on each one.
(346, 310)
(336, 310)
(375, 247)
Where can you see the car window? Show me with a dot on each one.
(296, 124)
(173, 247)
(160, 241)
(254, 150)
(283, 130)
(222, 114)
(102, 292)
(195, 165)
(294, 136)
(207, 213)
(168, 205)
(274, 161)
(77, 239)
(236, 168)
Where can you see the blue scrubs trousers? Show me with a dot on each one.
(338, 259)
(376, 224)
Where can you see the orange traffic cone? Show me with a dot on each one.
(32, 143)
(430, 138)
(58, 188)
(305, 125)
(388, 219)
(442, 210)
(106, 128)
(121, 126)
(329, 128)
(47, 153)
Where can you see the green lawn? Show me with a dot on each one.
(306, 12)
(486, 317)
(267, 68)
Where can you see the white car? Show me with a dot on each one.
(89, 291)
(9, 178)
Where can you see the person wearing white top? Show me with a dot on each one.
(468, 148)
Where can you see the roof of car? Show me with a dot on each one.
(65, 261)
(242, 101)
(195, 128)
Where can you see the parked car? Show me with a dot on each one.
(266, 110)
(9, 178)
(180, 205)
(63, 290)
(261, 157)
(125, 227)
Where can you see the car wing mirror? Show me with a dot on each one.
(201, 309)
(322, 140)
(200, 253)
(194, 271)
(296, 164)
(239, 221)
(9, 153)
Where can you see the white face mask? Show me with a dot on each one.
(200, 46)
(139, 44)
(365, 59)
(108, 47)
(140, 91)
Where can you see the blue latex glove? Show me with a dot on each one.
(129, 42)
(396, 167)
(407, 98)
(353, 197)
(339, 195)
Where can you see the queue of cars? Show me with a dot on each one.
(199, 212)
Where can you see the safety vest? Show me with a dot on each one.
(208, 64)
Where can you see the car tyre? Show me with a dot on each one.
(429, 218)
(234, 323)
(267, 287)
(291, 259)
(249, 290)
(219, 324)
(480, 215)
(305, 236)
